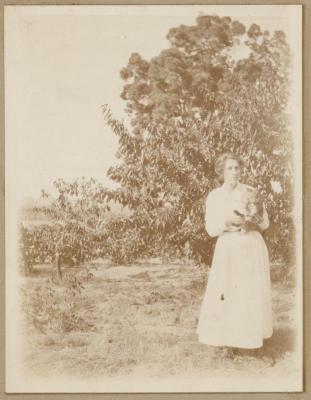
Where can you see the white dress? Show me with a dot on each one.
(236, 309)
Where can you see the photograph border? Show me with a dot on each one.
(306, 175)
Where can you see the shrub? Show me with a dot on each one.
(58, 306)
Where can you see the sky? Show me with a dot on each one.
(62, 63)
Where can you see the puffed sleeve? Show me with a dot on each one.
(214, 214)
(265, 222)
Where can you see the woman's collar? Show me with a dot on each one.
(237, 187)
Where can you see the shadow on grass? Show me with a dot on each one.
(273, 349)
(281, 342)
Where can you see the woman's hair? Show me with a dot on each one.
(221, 161)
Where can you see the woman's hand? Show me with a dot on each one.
(234, 223)
(233, 228)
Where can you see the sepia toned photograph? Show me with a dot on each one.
(153, 167)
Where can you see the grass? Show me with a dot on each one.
(139, 319)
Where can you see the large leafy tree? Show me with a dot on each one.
(219, 87)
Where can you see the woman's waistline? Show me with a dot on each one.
(240, 232)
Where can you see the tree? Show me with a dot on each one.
(192, 102)
(73, 229)
(79, 224)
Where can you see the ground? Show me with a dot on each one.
(140, 320)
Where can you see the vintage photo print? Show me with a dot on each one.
(153, 198)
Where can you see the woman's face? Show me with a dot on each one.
(231, 171)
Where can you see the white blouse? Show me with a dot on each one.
(219, 207)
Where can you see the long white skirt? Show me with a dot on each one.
(236, 309)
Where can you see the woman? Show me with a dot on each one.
(236, 309)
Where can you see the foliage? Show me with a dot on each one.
(79, 225)
(57, 307)
(37, 245)
(124, 242)
(218, 87)
(192, 102)
(73, 230)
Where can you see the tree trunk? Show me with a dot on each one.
(58, 265)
